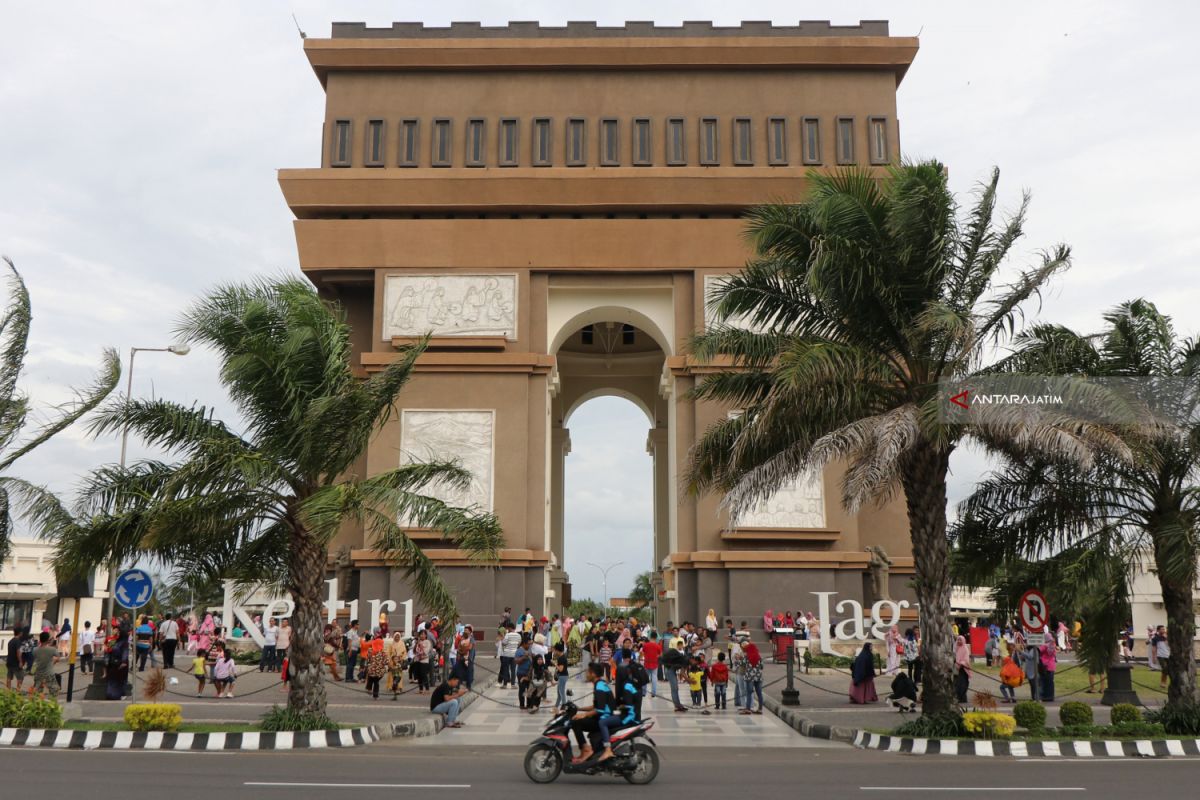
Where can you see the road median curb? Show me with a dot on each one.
(214, 742)
(433, 724)
(1083, 748)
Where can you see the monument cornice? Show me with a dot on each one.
(784, 559)
(884, 53)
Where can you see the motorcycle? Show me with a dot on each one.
(635, 758)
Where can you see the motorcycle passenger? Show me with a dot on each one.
(595, 720)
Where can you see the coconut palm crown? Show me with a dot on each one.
(858, 301)
(15, 322)
(1147, 504)
(262, 505)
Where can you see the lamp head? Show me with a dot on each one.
(179, 349)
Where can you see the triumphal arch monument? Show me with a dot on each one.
(553, 204)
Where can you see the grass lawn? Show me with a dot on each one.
(1073, 682)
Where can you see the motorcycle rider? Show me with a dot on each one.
(595, 720)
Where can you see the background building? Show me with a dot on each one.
(29, 591)
(554, 204)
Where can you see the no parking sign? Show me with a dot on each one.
(1035, 613)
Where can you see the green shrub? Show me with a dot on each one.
(247, 657)
(1030, 715)
(1074, 714)
(1135, 730)
(154, 717)
(35, 712)
(1125, 712)
(1181, 719)
(1079, 731)
(18, 710)
(822, 661)
(280, 718)
(934, 726)
(989, 724)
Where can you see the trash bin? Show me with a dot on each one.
(784, 643)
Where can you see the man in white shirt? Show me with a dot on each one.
(87, 647)
(267, 660)
(169, 633)
(508, 652)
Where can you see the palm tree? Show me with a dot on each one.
(15, 407)
(643, 590)
(263, 505)
(1150, 502)
(860, 300)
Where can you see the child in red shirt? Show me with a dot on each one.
(718, 673)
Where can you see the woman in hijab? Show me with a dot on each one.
(962, 667)
(1046, 676)
(862, 676)
(895, 649)
(116, 673)
(769, 622)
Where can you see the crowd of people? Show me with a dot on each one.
(625, 660)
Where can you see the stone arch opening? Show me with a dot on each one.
(608, 358)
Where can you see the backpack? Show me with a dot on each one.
(673, 659)
(638, 674)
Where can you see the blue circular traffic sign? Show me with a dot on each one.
(134, 589)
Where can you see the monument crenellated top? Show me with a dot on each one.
(593, 30)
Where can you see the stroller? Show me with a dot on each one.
(904, 694)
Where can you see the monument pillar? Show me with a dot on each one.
(656, 445)
(560, 581)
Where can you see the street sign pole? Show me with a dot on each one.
(1034, 612)
(133, 589)
(74, 647)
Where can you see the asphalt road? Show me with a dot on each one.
(398, 769)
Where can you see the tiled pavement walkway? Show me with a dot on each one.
(487, 722)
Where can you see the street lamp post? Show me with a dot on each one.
(604, 572)
(176, 349)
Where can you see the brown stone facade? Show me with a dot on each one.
(554, 204)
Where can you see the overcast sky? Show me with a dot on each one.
(140, 143)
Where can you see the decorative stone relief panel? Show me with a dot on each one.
(467, 436)
(450, 305)
(798, 504)
(711, 284)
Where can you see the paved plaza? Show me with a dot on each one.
(495, 720)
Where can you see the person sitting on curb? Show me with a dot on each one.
(445, 700)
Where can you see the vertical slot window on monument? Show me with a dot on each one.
(374, 143)
(441, 143)
(878, 144)
(777, 141)
(709, 142)
(845, 140)
(339, 147)
(408, 142)
(810, 140)
(541, 142)
(576, 142)
(676, 142)
(610, 143)
(509, 130)
(641, 142)
(743, 142)
(476, 141)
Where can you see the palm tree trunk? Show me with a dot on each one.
(306, 575)
(924, 480)
(1181, 620)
